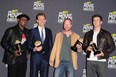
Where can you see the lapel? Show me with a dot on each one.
(37, 34)
(91, 35)
(73, 39)
(26, 33)
(46, 35)
(61, 39)
(18, 33)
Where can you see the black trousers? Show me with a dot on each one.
(17, 69)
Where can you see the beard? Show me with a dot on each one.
(67, 29)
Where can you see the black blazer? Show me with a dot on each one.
(8, 43)
(47, 45)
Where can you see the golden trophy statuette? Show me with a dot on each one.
(37, 43)
(18, 46)
(17, 42)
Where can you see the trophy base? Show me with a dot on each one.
(74, 49)
(40, 52)
(98, 52)
(19, 53)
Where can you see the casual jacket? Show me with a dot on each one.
(55, 54)
(104, 42)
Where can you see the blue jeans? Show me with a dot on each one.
(65, 67)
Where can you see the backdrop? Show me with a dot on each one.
(80, 11)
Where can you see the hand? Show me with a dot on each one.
(17, 53)
(51, 63)
(101, 54)
(89, 48)
(38, 49)
(79, 47)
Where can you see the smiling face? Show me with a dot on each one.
(41, 20)
(67, 25)
(22, 21)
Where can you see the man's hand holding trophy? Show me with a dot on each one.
(94, 48)
(18, 50)
(77, 47)
(38, 46)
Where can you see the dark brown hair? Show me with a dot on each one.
(67, 19)
(40, 14)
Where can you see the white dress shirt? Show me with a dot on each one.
(40, 28)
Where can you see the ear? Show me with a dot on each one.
(17, 19)
(71, 26)
(101, 22)
(45, 20)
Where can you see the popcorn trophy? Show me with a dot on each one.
(74, 48)
(94, 47)
(18, 46)
(38, 44)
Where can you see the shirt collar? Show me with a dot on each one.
(40, 27)
(63, 32)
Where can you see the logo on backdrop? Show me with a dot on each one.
(84, 73)
(63, 15)
(87, 27)
(114, 38)
(88, 6)
(12, 15)
(35, 25)
(112, 62)
(38, 5)
(112, 17)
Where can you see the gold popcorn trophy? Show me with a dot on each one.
(37, 43)
(18, 46)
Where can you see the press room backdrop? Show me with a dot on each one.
(80, 11)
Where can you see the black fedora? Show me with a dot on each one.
(23, 15)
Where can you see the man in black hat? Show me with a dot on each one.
(14, 43)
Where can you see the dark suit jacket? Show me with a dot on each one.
(8, 43)
(47, 45)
